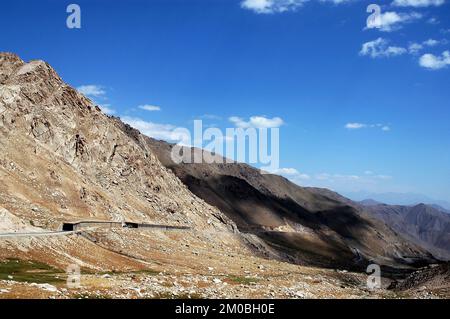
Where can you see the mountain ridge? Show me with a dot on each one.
(290, 218)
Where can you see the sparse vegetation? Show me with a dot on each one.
(150, 272)
(30, 271)
(243, 280)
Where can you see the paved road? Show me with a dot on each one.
(37, 234)
(66, 233)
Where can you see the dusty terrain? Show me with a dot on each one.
(155, 264)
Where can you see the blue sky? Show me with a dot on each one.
(361, 109)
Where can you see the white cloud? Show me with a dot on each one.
(272, 6)
(391, 20)
(92, 90)
(431, 42)
(433, 62)
(303, 176)
(323, 176)
(354, 126)
(165, 132)
(150, 108)
(257, 122)
(292, 174)
(415, 47)
(417, 3)
(357, 126)
(433, 20)
(285, 171)
(379, 48)
(106, 108)
(95, 93)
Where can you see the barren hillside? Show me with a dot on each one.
(301, 225)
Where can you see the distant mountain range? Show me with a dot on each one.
(423, 224)
(392, 198)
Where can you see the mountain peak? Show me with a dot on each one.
(4, 56)
(9, 62)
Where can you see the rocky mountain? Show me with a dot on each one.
(422, 224)
(63, 160)
(369, 202)
(392, 198)
(302, 225)
(440, 208)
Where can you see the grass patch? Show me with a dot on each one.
(243, 280)
(30, 271)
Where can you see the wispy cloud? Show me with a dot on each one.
(292, 174)
(418, 3)
(106, 108)
(272, 6)
(354, 126)
(150, 108)
(379, 48)
(97, 93)
(415, 47)
(433, 62)
(165, 132)
(391, 20)
(357, 126)
(433, 20)
(368, 176)
(257, 122)
(92, 90)
(285, 171)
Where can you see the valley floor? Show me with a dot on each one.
(123, 263)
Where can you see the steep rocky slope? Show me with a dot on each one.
(62, 155)
(62, 159)
(302, 225)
